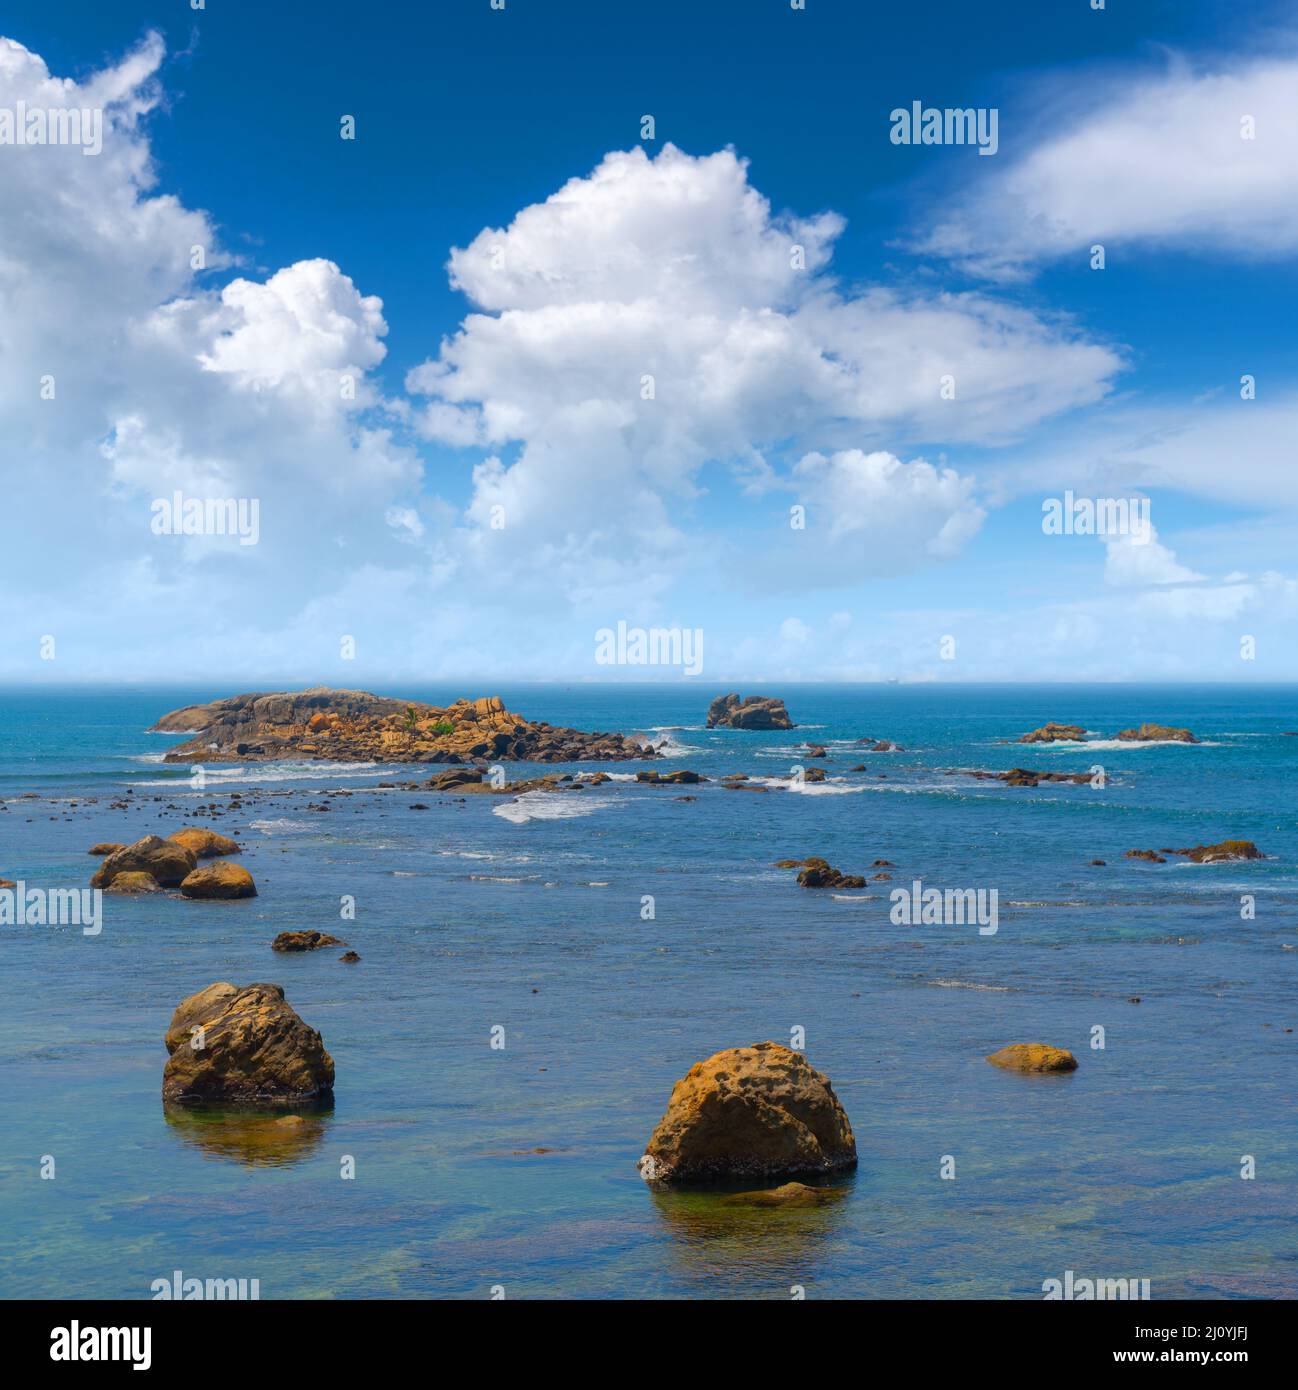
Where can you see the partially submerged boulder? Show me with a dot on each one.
(108, 847)
(244, 1046)
(133, 882)
(753, 712)
(219, 881)
(1033, 1057)
(817, 873)
(204, 844)
(684, 777)
(1224, 852)
(759, 1111)
(168, 862)
(304, 941)
(790, 1194)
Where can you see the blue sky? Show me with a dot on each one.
(519, 388)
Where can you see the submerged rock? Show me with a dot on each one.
(1156, 733)
(752, 712)
(246, 1046)
(1033, 1057)
(108, 847)
(682, 778)
(304, 941)
(759, 1111)
(167, 861)
(790, 1194)
(204, 844)
(133, 882)
(350, 957)
(1225, 850)
(1151, 854)
(219, 881)
(1056, 733)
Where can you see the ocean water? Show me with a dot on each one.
(526, 914)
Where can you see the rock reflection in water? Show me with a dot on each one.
(258, 1138)
(780, 1234)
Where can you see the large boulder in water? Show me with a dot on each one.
(1033, 1057)
(204, 844)
(304, 941)
(244, 1046)
(219, 881)
(1052, 732)
(760, 1111)
(132, 882)
(168, 862)
(754, 712)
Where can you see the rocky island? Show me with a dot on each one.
(355, 726)
(752, 712)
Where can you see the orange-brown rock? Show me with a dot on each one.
(108, 847)
(1156, 733)
(219, 881)
(167, 861)
(244, 1046)
(132, 882)
(1052, 732)
(1033, 1057)
(759, 1111)
(790, 1194)
(353, 726)
(204, 844)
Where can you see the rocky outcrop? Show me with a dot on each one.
(132, 883)
(1020, 776)
(354, 726)
(1225, 851)
(219, 881)
(168, 862)
(1033, 1057)
(244, 1046)
(1156, 733)
(753, 712)
(816, 873)
(350, 957)
(759, 1111)
(304, 941)
(204, 844)
(675, 779)
(108, 847)
(1056, 733)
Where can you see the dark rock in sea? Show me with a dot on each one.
(1156, 733)
(676, 779)
(860, 767)
(219, 881)
(816, 752)
(1226, 850)
(1151, 854)
(244, 1046)
(814, 774)
(1098, 863)
(355, 726)
(167, 861)
(350, 957)
(753, 712)
(304, 941)
(1020, 776)
(759, 1111)
(1033, 1057)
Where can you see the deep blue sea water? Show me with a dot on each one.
(530, 920)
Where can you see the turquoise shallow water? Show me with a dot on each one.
(468, 919)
